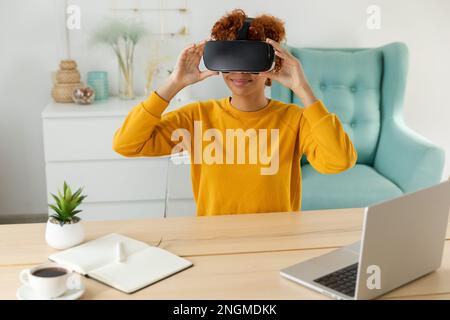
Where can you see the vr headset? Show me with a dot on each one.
(240, 55)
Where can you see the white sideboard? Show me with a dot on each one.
(78, 149)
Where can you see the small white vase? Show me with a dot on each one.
(184, 95)
(65, 236)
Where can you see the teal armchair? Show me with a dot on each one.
(365, 88)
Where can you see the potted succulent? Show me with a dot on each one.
(64, 228)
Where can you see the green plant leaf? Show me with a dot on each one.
(67, 193)
(63, 207)
(67, 203)
(57, 200)
(55, 216)
(65, 188)
(80, 199)
(77, 193)
(60, 196)
(57, 210)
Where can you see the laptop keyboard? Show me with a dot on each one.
(342, 280)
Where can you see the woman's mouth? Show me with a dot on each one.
(240, 82)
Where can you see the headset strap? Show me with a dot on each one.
(242, 32)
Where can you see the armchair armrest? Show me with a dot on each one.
(406, 158)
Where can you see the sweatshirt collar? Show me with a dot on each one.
(247, 114)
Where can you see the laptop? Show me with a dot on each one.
(402, 240)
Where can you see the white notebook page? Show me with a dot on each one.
(140, 269)
(96, 253)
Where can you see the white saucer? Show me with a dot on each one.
(26, 293)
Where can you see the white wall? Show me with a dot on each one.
(28, 53)
(32, 45)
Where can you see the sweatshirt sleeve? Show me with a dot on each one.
(146, 132)
(323, 140)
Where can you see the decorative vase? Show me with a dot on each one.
(126, 89)
(63, 236)
(67, 64)
(68, 76)
(98, 80)
(66, 80)
(122, 36)
(62, 92)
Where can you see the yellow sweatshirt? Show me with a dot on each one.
(273, 139)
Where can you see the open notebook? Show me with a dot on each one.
(121, 262)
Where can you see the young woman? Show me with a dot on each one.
(226, 185)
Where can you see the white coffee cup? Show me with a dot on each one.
(50, 280)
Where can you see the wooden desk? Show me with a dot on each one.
(234, 256)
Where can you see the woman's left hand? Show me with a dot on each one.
(291, 74)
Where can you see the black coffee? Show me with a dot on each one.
(49, 272)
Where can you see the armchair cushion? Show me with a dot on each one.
(349, 83)
(407, 159)
(320, 191)
(365, 87)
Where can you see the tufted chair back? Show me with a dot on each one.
(352, 83)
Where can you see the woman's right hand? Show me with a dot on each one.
(186, 71)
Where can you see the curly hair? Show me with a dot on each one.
(262, 27)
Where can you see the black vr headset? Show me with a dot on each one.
(240, 55)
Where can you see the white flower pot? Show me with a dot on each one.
(65, 236)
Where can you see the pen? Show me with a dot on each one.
(120, 253)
